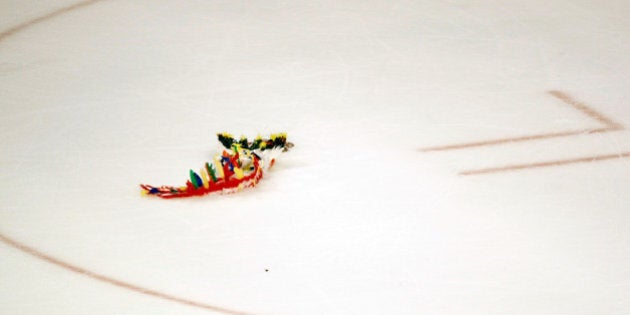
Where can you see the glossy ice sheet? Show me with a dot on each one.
(450, 158)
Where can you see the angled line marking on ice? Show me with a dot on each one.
(610, 125)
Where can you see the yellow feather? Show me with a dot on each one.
(217, 162)
(204, 177)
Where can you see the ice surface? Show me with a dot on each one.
(357, 218)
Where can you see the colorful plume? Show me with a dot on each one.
(240, 166)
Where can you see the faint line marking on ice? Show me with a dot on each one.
(15, 29)
(610, 125)
(515, 139)
(109, 280)
(516, 167)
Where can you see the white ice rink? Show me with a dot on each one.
(451, 157)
